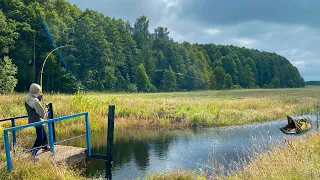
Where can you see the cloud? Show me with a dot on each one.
(170, 3)
(290, 28)
(234, 11)
(243, 42)
(212, 31)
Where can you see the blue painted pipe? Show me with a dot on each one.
(51, 139)
(88, 151)
(7, 147)
(46, 122)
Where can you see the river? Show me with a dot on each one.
(139, 152)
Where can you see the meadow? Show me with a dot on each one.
(172, 110)
(181, 110)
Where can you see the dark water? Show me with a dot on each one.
(139, 152)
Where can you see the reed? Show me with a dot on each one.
(297, 159)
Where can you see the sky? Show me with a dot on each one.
(290, 28)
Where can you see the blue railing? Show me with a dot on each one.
(13, 124)
(51, 134)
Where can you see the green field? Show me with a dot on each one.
(177, 109)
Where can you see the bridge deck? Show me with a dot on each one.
(69, 154)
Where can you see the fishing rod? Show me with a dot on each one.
(45, 60)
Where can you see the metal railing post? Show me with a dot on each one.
(51, 140)
(88, 151)
(50, 116)
(110, 141)
(7, 147)
(14, 136)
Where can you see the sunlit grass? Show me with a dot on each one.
(178, 109)
(174, 175)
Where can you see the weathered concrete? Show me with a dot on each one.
(64, 154)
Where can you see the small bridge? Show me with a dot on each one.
(61, 153)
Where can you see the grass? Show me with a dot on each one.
(169, 110)
(298, 159)
(27, 169)
(174, 175)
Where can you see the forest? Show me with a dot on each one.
(102, 53)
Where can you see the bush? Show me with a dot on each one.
(7, 72)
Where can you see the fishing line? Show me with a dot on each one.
(48, 34)
(186, 76)
(61, 62)
(189, 76)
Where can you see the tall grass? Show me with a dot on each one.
(25, 169)
(178, 109)
(298, 159)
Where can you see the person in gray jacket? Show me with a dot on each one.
(36, 113)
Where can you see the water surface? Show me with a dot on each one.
(139, 152)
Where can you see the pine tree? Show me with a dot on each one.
(275, 83)
(219, 75)
(228, 81)
(249, 76)
(142, 80)
(169, 82)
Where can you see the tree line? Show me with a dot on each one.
(110, 54)
(313, 83)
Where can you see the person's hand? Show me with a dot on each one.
(40, 97)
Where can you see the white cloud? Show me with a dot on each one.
(170, 4)
(243, 42)
(212, 31)
(299, 64)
